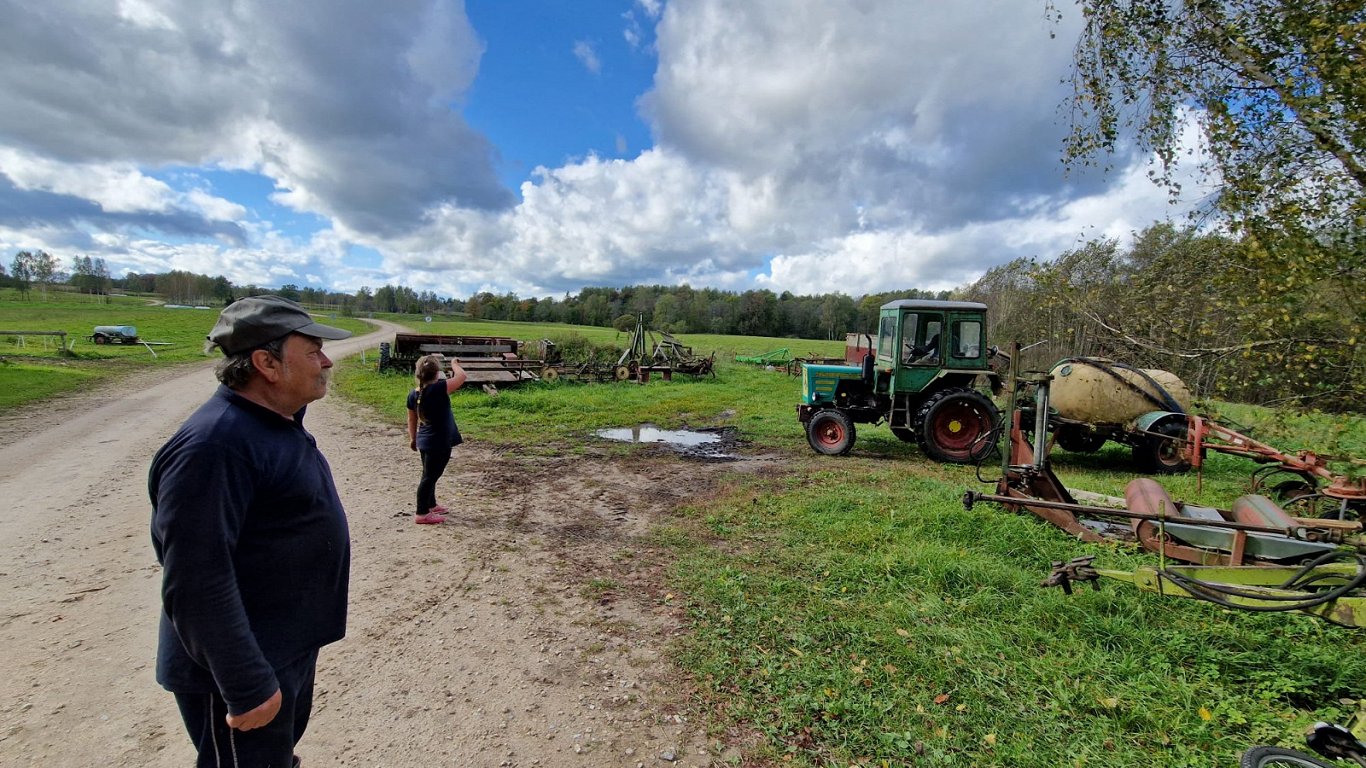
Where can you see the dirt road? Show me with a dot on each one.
(526, 631)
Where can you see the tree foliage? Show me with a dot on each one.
(90, 276)
(21, 270)
(1277, 86)
(40, 267)
(1183, 301)
(1278, 90)
(46, 270)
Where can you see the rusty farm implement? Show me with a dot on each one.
(1252, 556)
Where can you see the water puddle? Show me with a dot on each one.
(711, 444)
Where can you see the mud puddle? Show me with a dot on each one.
(714, 444)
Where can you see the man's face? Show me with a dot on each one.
(304, 370)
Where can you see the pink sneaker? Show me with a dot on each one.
(440, 509)
(431, 518)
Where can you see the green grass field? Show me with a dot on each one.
(34, 367)
(850, 612)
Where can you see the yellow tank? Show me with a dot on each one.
(1099, 391)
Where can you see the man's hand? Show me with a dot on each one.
(258, 717)
(413, 444)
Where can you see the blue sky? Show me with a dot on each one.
(575, 75)
(541, 147)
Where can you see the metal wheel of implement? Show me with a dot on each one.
(1323, 506)
(549, 374)
(1287, 491)
(830, 432)
(621, 373)
(1302, 497)
(1164, 451)
(952, 424)
(1269, 757)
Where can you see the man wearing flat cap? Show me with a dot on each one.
(253, 542)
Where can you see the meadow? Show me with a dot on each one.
(849, 611)
(34, 367)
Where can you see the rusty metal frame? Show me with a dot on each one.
(1203, 433)
(1028, 482)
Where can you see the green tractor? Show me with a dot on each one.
(920, 378)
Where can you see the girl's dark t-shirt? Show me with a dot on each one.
(435, 423)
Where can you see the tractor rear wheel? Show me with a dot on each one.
(830, 432)
(956, 425)
(1164, 451)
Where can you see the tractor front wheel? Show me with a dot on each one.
(956, 425)
(830, 432)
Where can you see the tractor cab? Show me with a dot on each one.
(920, 341)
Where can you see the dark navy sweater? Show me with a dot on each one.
(256, 555)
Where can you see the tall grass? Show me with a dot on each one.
(859, 616)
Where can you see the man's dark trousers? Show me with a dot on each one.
(270, 746)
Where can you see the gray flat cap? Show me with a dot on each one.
(248, 323)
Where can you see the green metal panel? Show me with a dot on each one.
(820, 381)
(1259, 587)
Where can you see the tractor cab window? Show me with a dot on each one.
(925, 350)
(909, 324)
(967, 335)
(886, 337)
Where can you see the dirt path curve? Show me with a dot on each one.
(526, 631)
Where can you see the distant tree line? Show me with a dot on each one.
(683, 309)
(1250, 319)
